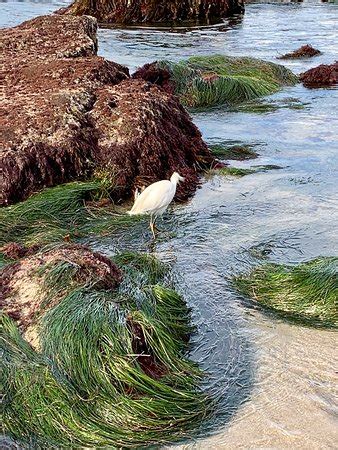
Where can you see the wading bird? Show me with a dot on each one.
(155, 199)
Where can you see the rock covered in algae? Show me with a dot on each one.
(24, 296)
(217, 79)
(306, 51)
(106, 349)
(63, 109)
(153, 11)
(307, 292)
(323, 75)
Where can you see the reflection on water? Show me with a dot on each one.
(276, 382)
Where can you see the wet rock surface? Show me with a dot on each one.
(323, 75)
(154, 11)
(67, 111)
(306, 51)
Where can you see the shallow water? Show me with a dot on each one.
(276, 382)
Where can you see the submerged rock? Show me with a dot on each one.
(306, 51)
(323, 75)
(150, 11)
(217, 79)
(67, 112)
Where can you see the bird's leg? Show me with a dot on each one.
(155, 226)
(152, 226)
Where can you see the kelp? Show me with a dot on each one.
(111, 369)
(307, 293)
(214, 80)
(67, 211)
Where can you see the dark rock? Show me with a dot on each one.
(154, 11)
(66, 113)
(306, 51)
(156, 75)
(323, 75)
(143, 134)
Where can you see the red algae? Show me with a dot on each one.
(306, 51)
(68, 112)
(323, 75)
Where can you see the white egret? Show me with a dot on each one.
(155, 199)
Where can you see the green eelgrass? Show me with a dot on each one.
(233, 171)
(213, 80)
(57, 212)
(233, 152)
(307, 292)
(87, 387)
(242, 172)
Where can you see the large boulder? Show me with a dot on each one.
(66, 113)
(154, 11)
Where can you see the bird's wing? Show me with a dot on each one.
(154, 197)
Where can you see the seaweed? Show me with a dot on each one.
(233, 152)
(65, 212)
(307, 293)
(111, 368)
(214, 80)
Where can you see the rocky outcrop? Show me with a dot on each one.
(306, 51)
(67, 112)
(155, 11)
(323, 75)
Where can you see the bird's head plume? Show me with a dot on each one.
(176, 178)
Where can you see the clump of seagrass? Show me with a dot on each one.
(25, 294)
(307, 292)
(109, 369)
(214, 80)
(233, 152)
(231, 171)
(65, 212)
(242, 171)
